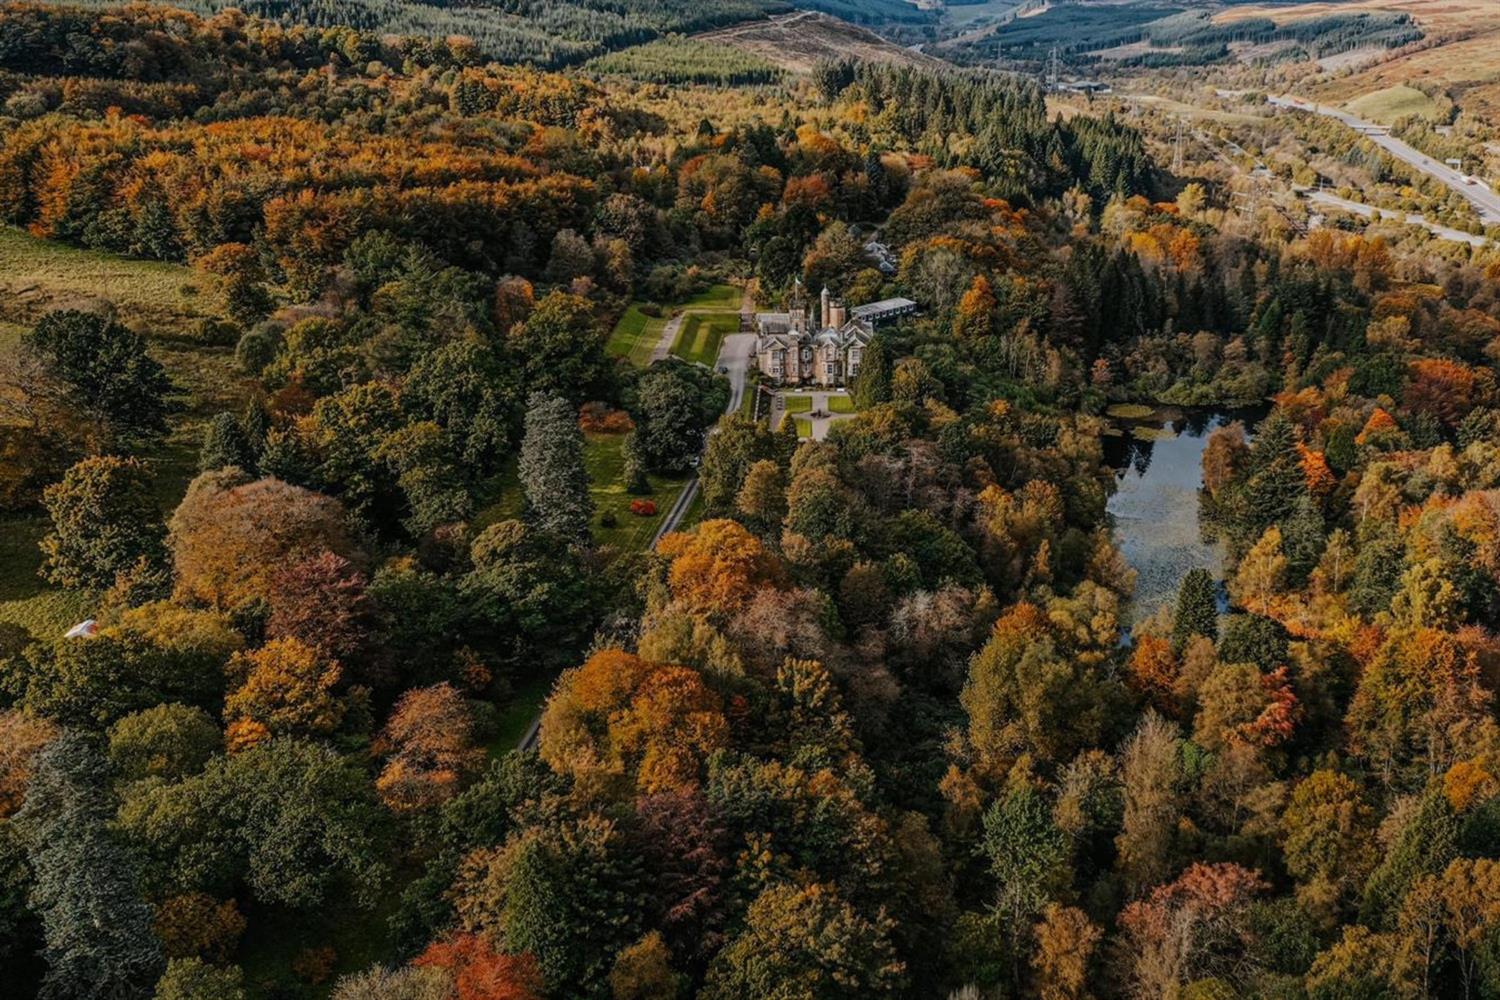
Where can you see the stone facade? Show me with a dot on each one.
(794, 348)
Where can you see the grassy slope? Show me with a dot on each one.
(1385, 106)
(161, 300)
(702, 335)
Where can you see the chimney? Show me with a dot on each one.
(827, 301)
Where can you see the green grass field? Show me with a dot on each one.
(840, 404)
(1386, 106)
(36, 275)
(635, 335)
(804, 427)
(702, 335)
(797, 404)
(603, 460)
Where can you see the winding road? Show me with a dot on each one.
(1486, 203)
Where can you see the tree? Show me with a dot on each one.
(806, 943)
(872, 386)
(1152, 774)
(1028, 856)
(245, 296)
(1066, 940)
(1197, 609)
(97, 928)
(224, 444)
(430, 745)
(153, 654)
(230, 536)
(320, 600)
(195, 925)
(675, 403)
(21, 737)
(166, 741)
(567, 891)
(551, 469)
(1362, 965)
(194, 979)
(618, 714)
(104, 520)
(288, 688)
(1261, 575)
(109, 375)
(644, 972)
(560, 349)
(1194, 928)
(737, 445)
(478, 972)
(529, 595)
(761, 501)
(290, 821)
(717, 567)
(470, 392)
(1328, 837)
(408, 983)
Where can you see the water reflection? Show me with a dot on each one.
(1158, 471)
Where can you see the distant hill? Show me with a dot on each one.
(797, 41)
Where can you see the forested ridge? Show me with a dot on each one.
(871, 722)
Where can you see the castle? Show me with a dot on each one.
(791, 350)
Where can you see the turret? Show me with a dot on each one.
(825, 317)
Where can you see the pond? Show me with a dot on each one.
(1157, 460)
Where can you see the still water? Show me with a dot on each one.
(1158, 471)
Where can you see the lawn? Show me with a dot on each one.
(804, 427)
(840, 404)
(635, 336)
(603, 457)
(518, 713)
(714, 298)
(604, 462)
(36, 275)
(702, 334)
(797, 404)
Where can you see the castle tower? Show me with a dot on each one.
(825, 317)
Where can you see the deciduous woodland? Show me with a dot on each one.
(353, 466)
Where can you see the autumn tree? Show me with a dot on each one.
(620, 715)
(717, 567)
(1151, 771)
(429, 742)
(1065, 944)
(286, 688)
(230, 536)
(320, 599)
(478, 972)
(1328, 838)
(810, 937)
(195, 979)
(104, 520)
(165, 741)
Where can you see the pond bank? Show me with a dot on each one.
(1157, 459)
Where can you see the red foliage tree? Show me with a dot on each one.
(481, 973)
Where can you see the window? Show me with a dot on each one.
(828, 369)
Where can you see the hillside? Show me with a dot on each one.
(797, 41)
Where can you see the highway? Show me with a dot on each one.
(1486, 203)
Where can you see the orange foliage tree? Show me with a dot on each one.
(481, 973)
(621, 715)
(718, 567)
(430, 740)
